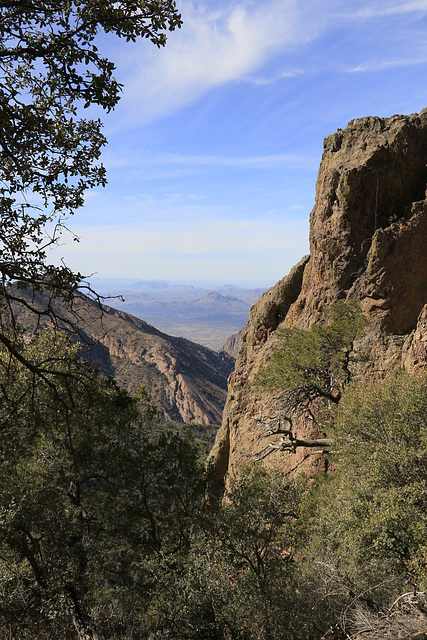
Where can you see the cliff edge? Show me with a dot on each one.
(368, 239)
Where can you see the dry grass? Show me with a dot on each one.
(406, 618)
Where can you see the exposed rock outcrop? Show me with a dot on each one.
(186, 381)
(368, 239)
(234, 342)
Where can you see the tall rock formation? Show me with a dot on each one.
(368, 241)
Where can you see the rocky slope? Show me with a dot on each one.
(368, 239)
(187, 382)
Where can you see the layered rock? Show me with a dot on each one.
(186, 381)
(368, 239)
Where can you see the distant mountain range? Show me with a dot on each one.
(186, 381)
(203, 315)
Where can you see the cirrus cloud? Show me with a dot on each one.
(233, 43)
(214, 47)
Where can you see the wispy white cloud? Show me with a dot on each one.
(266, 80)
(387, 64)
(234, 43)
(213, 47)
(120, 160)
(195, 237)
(396, 35)
(257, 162)
(192, 244)
(378, 10)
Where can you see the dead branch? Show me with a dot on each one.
(276, 418)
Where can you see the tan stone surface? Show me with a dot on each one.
(368, 240)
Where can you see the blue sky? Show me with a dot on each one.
(214, 148)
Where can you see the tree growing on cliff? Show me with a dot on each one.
(309, 369)
(381, 434)
(50, 68)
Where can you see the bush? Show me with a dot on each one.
(367, 523)
(316, 360)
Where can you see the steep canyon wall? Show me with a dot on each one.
(368, 241)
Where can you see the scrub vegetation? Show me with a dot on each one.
(107, 527)
(106, 530)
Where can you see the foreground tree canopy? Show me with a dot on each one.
(50, 69)
(90, 506)
(105, 533)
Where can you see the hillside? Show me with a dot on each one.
(368, 238)
(187, 382)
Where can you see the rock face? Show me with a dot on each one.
(368, 241)
(186, 382)
(234, 342)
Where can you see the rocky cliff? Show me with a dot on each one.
(234, 342)
(186, 381)
(368, 241)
